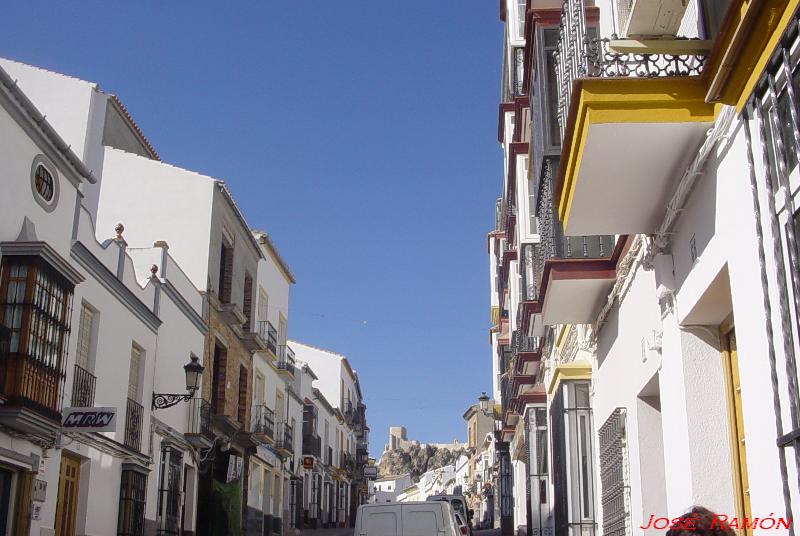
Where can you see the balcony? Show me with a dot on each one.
(312, 445)
(83, 384)
(253, 341)
(263, 426)
(346, 462)
(30, 391)
(286, 361)
(527, 353)
(198, 425)
(283, 438)
(267, 332)
(134, 416)
(564, 278)
(627, 117)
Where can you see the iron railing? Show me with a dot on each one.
(263, 421)
(286, 358)
(312, 445)
(283, 436)
(199, 418)
(523, 343)
(581, 54)
(133, 425)
(83, 385)
(268, 334)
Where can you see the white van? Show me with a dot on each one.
(406, 519)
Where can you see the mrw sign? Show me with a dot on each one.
(89, 420)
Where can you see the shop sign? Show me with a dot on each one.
(39, 491)
(308, 462)
(89, 420)
(370, 471)
(266, 455)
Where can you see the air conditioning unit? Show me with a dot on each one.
(650, 18)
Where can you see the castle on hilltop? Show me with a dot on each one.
(398, 439)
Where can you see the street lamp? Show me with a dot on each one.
(194, 372)
(483, 404)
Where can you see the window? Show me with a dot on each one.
(614, 474)
(84, 336)
(132, 494)
(35, 307)
(247, 301)
(134, 411)
(44, 183)
(282, 330)
(219, 379)
(521, 17)
(83, 381)
(134, 372)
(169, 491)
(573, 466)
(225, 273)
(243, 398)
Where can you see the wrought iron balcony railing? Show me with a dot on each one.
(199, 418)
(133, 425)
(83, 385)
(284, 436)
(263, 421)
(286, 358)
(523, 343)
(312, 445)
(581, 54)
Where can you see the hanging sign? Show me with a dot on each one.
(89, 420)
(308, 462)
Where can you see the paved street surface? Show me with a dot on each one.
(326, 532)
(487, 532)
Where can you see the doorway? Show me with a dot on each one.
(67, 503)
(733, 391)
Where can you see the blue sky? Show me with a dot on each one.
(360, 135)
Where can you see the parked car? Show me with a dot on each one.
(459, 504)
(463, 527)
(407, 519)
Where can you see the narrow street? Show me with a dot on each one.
(350, 532)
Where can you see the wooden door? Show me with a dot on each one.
(67, 502)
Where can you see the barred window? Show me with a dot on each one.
(132, 495)
(35, 307)
(169, 491)
(614, 475)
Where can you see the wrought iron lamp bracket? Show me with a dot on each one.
(167, 400)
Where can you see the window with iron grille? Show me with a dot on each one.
(771, 121)
(614, 476)
(169, 491)
(132, 495)
(35, 307)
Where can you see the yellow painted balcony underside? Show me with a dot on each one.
(576, 370)
(627, 100)
(740, 56)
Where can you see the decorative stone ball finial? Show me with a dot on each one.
(119, 229)
(153, 270)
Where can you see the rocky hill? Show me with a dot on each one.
(415, 460)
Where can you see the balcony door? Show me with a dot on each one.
(67, 501)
